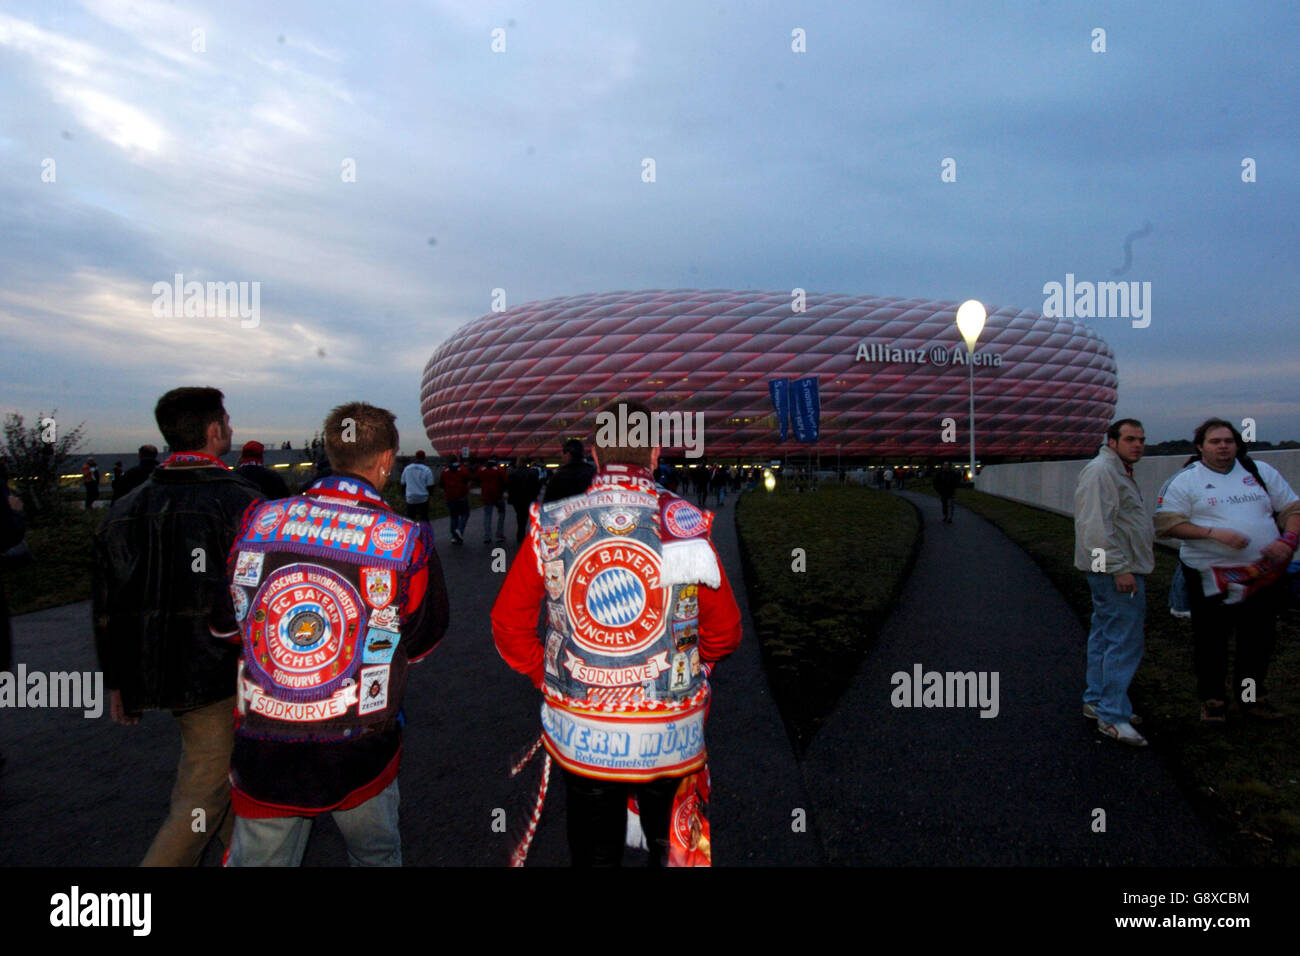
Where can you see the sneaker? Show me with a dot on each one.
(1122, 731)
(487, 540)
(501, 539)
(1214, 712)
(1090, 712)
(1262, 710)
(1181, 615)
(456, 538)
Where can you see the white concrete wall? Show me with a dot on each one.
(1050, 484)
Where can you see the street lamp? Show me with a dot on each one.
(970, 323)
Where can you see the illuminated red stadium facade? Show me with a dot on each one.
(890, 371)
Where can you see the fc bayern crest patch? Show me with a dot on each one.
(268, 520)
(304, 636)
(614, 600)
(378, 585)
(683, 520)
(387, 536)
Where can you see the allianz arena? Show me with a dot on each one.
(890, 371)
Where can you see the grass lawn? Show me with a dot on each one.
(1245, 776)
(815, 624)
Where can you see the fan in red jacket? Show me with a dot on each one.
(638, 611)
(492, 479)
(454, 482)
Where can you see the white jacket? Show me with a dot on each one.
(1109, 514)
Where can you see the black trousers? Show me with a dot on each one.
(1213, 622)
(521, 520)
(597, 818)
(418, 510)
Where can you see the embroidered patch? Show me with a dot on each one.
(681, 678)
(269, 520)
(556, 616)
(580, 533)
(387, 536)
(686, 633)
(548, 539)
(378, 585)
(693, 655)
(248, 568)
(618, 520)
(374, 689)
(553, 644)
(613, 598)
(379, 646)
(688, 603)
(554, 572)
(239, 597)
(636, 674)
(385, 618)
(683, 520)
(306, 641)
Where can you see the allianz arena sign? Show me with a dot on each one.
(937, 355)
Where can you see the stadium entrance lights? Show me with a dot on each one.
(970, 323)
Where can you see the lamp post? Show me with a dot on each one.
(970, 323)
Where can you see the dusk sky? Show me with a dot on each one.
(133, 148)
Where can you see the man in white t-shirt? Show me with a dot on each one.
(416, 479)
(1223, 509)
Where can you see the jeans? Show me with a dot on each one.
(1114, 645)
(1213, 622)
(418, 510)
(458, 513)
(499, 506)
(949, 508)
(202, 783)
(596, 817)
(370, 832)
(1178, 591)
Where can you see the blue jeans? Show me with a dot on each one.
(458, 513)
(1114, 645)
(370, 832)
(499, 506)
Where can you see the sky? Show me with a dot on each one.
(378, 169)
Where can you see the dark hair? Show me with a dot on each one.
(420, 454)
(370, 433)
(1203, 429)
(574, 447)
(184, 414)
(1112, 433)
(620, 454)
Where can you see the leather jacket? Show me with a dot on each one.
(159, 569)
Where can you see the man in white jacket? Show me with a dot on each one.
(1114, 544)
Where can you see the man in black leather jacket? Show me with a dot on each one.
(160, 560)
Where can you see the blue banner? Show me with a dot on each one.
(779, 389)
(805, 409)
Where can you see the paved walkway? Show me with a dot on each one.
(879, 785)
(943, 786)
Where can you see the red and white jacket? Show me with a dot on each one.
(638, 611)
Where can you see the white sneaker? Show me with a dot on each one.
(1122, 731)
(1090, 712)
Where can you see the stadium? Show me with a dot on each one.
(889, 371)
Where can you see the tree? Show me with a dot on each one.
(36, 456)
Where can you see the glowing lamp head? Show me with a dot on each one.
(970, 321)
(769, 479)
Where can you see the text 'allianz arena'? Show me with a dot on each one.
(889, 370)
